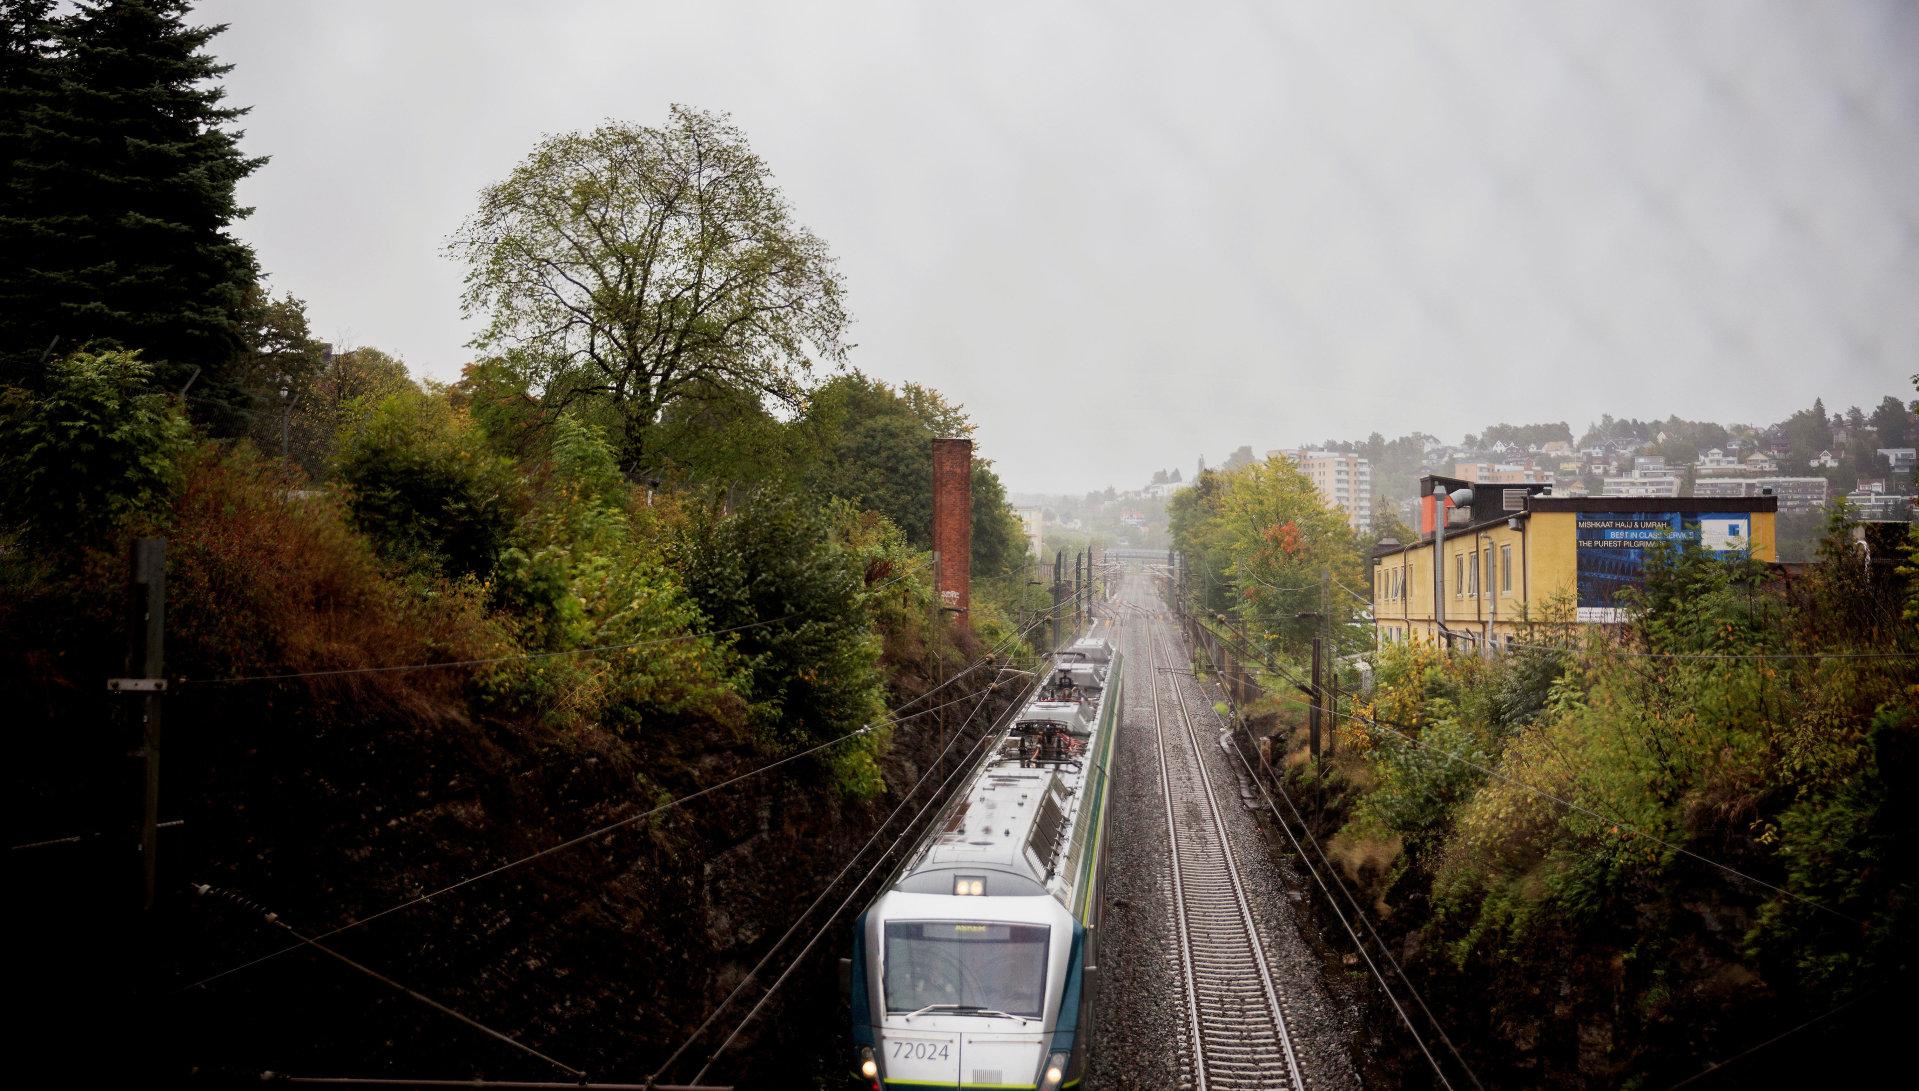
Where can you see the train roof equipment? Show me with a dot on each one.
(1007, 879)
(1088, 649)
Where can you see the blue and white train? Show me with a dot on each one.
(977, 967)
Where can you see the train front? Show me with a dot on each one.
(965, 991)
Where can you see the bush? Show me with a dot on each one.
(580, 572)
(421, 483)
(266, 578)
(97, 446)
(811, 656)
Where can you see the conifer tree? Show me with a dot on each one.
(29, 80)
(120, 197)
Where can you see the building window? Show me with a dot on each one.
(1506, 569)
(1459, 575)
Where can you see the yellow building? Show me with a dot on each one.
(1515, 557)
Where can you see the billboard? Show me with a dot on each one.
(1612, 550)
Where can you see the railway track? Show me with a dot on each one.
(1236, 1024)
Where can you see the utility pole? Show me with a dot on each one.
(1330, 717)
(146, 633)
(1059, 594)
(1332, 703)
(1313, 710)
(1079, 587)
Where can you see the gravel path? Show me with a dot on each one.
(1141, 1037)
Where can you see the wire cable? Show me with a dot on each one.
(1358, 944)
(800, 958)
(1358, 911)
(1715, 655)
(905, 798)
(991, 656)
(590, 835)
(600, 831)
(1762, 1045)
(275, 919)
(1396, 729)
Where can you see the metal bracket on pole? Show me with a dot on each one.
(136, 685)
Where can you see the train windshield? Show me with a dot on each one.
(967, 964)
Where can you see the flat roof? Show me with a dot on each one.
(1684, 504)
(1542, 504)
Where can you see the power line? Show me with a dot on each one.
(1620, 823)
(548, 851)
(911, 824)
(841, 908)
(1626, 653)
(905, 798)
(1770, 1041)
(274, 919)
(993, 655)
(608, 828)
(1358, 944)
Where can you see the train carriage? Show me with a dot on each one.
(977, 967)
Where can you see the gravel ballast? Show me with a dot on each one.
(1141, 1039)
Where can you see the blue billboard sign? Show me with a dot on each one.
(1612, 550)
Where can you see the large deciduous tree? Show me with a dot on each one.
(640, 266)
(1264, 544)
(118, 194)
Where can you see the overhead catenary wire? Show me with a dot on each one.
(1364, 919)
(561, 846)
(992, 656)
(1402, 731)
(278, 922)
(1774, 1040)
(905, 798)
(607, 828)
(851, 894)
(991, 733)
(1631, 654)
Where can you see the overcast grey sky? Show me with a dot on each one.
(1200, 224)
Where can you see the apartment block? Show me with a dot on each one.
(1796, 494)
(1638, 486)
(1344, 480)
(1501, 473)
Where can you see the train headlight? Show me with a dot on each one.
(1055, 1070)
(868, 1066)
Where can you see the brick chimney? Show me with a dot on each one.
(953, 524)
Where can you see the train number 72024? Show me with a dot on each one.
(921, 1051)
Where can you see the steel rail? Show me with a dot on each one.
(1234, 1030)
